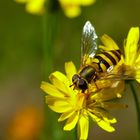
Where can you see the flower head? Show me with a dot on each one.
(76, 107)
(129, 66)
(33, 6)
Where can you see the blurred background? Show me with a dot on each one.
(23, 65)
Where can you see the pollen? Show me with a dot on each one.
(119, 95)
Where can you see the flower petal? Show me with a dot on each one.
(35, 6)
(60, 109)
(77, 2)
(109, 43)
(56, 101)
(83, 126)
(66, 115)
(72, 121)
(72, 11)
(70, 70)
(59, 105)
(107, 117)
(130, 49)
(138, 59)
(137, 67)
(138, 75)
(54, 77)
(61, 82)
(103, 124)
(51, 89)
(70, 2)
(87, 2)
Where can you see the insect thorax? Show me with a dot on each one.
(88, 73)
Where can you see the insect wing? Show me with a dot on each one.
(88, 42)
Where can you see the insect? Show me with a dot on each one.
(101, 62)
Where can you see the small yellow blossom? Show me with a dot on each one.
(33, 6)
(76, 107)
(72, 7)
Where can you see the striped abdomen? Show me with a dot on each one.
(107, 59)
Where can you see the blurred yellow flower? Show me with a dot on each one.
(76, 107)
(72, 7)
(26, 124)
(33, 6)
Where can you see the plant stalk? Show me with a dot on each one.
(137, 106)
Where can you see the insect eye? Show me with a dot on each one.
(82, 84)
(75, 77)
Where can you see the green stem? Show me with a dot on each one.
(49, 36)
(75, 133)
(47, 68)
(137, 106)
(48, 45)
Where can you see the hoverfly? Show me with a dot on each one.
(101, 62)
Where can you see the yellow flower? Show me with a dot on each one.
(72, 7)
(130, 61)
(76, 107)
(33, 6)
